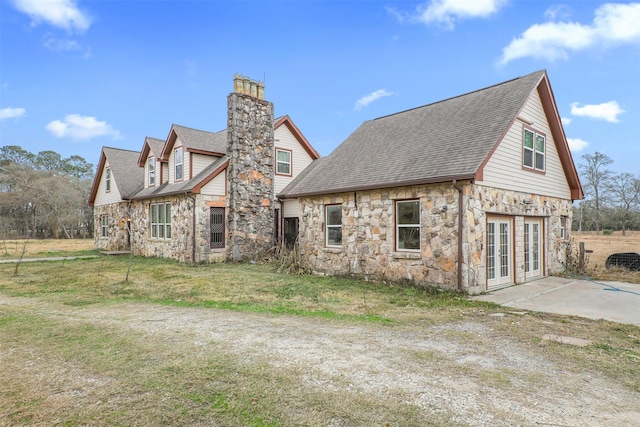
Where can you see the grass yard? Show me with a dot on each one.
(71, 358)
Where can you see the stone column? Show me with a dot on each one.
(250, 148)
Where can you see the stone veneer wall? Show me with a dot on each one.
(116, 234)
(368, 247)
(179, 247)
(250, 175)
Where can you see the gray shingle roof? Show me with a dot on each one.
(438, 142)
(179, 187)
(156, 145)
(124, 170)
(202, 140)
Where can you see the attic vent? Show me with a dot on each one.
(245, 86)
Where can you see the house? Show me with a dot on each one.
(471, 193)
(201, 196)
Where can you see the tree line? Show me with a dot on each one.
(44, 195)
(611, 201)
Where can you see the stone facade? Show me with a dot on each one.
(250, 175)
(368, 233)
(179, 246)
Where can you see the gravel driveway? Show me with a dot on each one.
(465, 370)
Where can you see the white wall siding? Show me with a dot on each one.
(291, 208)
(201, 161)
(300, 159)
(165, 172)
(504, 168)
(217, 186)
(102, 197)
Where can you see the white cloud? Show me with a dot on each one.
(612, 24)
(445, 12)
(566, 120)
(79, 127)
(557, 11)
(59, 13)
(608, 111)
(577, 144)
(368, 99)
(57, 45)
(11, 113)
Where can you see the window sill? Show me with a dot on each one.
(407, 255)
(333, 250)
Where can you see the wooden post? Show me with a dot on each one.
(581, 257)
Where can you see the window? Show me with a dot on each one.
(408, 225)
(334, 226)
(533, 156)
(283, 162)
(216, 227)
(152, 171)
(104, 226)
(178, 160)
(563, 227)
(107, 179)
(160, 220)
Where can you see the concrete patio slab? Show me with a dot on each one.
(614, 301)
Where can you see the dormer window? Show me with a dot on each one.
(107, 179)
(533, 150)
(152, 171)
(178, 161)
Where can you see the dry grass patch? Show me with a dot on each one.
(603, 246)
(10, 249)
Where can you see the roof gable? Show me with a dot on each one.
(196, 141)
(150, 146)
(446, 140)
(124, 172)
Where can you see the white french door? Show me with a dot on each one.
(532, 248)
(499, 252)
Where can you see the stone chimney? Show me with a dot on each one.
(250, 148)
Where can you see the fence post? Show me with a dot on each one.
(581, 257)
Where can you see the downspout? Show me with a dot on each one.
(193, 229)
(457, 187)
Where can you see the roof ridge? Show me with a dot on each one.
(120, 149)
(197, 130)
(461, 95)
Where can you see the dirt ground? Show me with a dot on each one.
(463, 371)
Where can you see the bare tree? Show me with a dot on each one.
(595, 177)
(624, 194)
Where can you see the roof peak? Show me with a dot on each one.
(463, 94)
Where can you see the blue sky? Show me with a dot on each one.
(79, 75)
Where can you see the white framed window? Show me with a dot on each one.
(107, 179)
(283, 162)
(333, 226)
(104, 226)
(408, 225)
(564, 234)
(178, 160)
(533, 155)
(160, 220)
(152, 171)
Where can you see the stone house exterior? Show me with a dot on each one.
(471, 193)
(201, 196)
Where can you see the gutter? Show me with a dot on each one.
(459, 273)
(193, 229)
